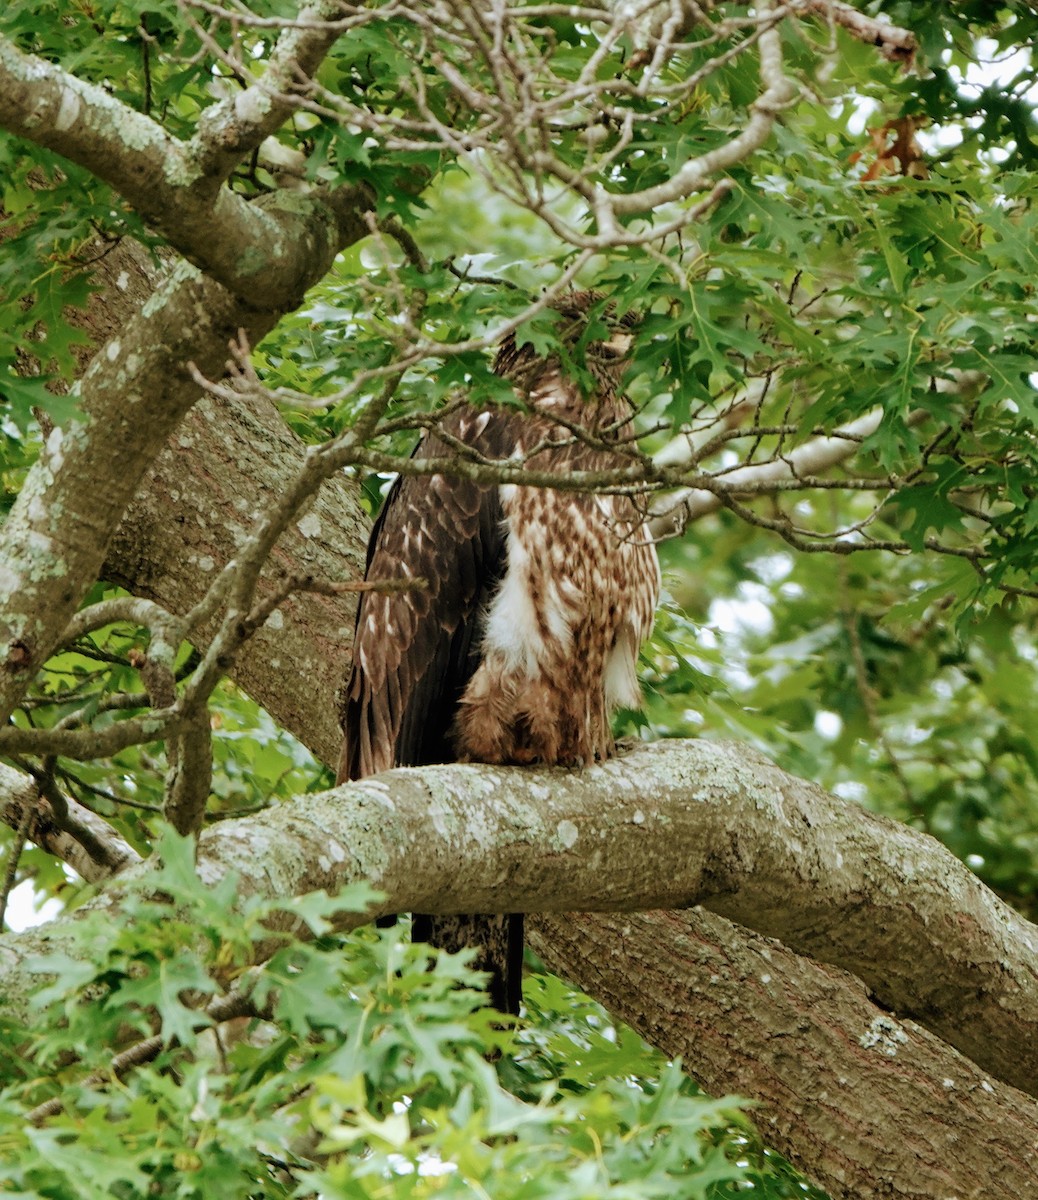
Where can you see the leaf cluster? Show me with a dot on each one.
(362, 1070)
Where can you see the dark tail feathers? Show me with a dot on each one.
(498, 939)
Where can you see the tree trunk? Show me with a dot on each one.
(867, 1105)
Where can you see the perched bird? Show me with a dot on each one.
(525, 637)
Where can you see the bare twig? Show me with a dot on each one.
(673, 515)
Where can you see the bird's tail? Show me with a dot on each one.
(498, 940)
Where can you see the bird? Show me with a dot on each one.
(524, 636)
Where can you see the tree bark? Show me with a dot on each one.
(211, 480)
(869, 1105)
(80, 837)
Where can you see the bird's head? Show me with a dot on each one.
(590, 335)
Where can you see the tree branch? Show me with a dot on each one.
(673, 825)
(229, 130)
(229, 1006)
(870, 1105)
(672, 515)
(78, 837)
(190, 774)
(779, 92)
(251, 248)
(893, 42)
(56, 535)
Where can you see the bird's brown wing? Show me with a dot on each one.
(416, 650)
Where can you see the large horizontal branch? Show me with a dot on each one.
(177, 187)
(666, 825)
(672, 825)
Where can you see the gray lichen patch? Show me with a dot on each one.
(884, 1035)
(252, 105)
(566, 834)
(68, 110)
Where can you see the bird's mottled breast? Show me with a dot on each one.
(581, 580)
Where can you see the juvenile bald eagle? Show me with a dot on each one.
(525, 639)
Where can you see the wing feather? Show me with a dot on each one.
(416, 650)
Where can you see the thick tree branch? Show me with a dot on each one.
(55, 537)
(672, 825)
(57, 533)
(252, 249)
(871, 1106)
